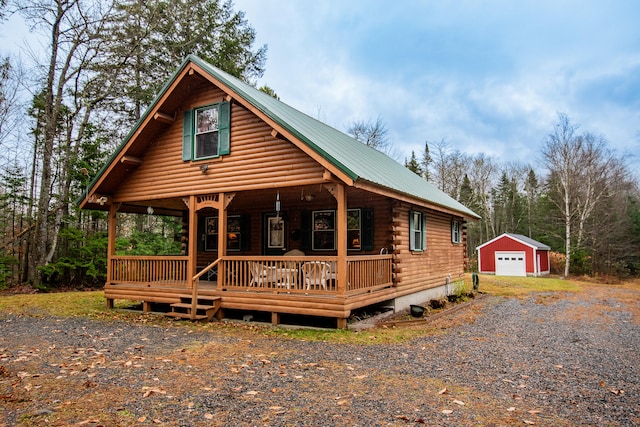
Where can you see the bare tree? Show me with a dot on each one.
(448, 167)
(482, 175)
(372, 134)
(70, 91)
(581, 170)
(10, 80)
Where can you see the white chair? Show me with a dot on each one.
(260, 274)
(316, 274)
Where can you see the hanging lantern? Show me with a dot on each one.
(278, 204)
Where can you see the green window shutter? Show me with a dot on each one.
(423, 235)
(367, 229)
(412, 234)
(305, 230)
(187, 132)
(224, 125)
(245, 232)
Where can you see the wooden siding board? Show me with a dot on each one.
(416, 271)
(163, 172)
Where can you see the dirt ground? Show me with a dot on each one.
(561, 359)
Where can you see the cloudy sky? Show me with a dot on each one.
(486, 76)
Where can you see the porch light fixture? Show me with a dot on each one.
(204, 168)
(278, 204)
(307, 197)
(150, 210)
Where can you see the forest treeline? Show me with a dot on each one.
(585, 205)
(64, 109)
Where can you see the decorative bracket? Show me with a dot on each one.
(228, 198)
(332, 189)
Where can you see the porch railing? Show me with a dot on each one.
(305, 274)
(369, 272)
(149, 270)
(300, 274)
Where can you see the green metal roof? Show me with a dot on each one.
(353, 158)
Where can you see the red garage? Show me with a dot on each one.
(513, 255)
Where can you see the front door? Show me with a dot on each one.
(274, 235)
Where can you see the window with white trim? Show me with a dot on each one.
(417, 231)
(206, 132)
(205, 141)
(456, 235)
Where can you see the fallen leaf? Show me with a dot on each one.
(402, 417)
(531, 423)
(208, 416)
(534, 411)
(458, 402)
(511, 409)
(559, 366)
(443, 391)
(142, 419)
(149, 391)
(88, 421)
(447, 411)
(252, 393)
(360, 377)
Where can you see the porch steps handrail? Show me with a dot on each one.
(194, 288)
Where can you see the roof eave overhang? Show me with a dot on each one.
(408, 198)
(86, 200)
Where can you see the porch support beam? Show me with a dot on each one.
(111, 244)
(192, 245)
(341, 197)
(222, 237)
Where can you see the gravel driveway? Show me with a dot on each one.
(548, 360)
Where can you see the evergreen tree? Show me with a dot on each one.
(413, 165)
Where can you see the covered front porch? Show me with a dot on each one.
(244, 255)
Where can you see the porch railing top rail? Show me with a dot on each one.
(152, 257)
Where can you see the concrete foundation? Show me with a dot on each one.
(420, 298)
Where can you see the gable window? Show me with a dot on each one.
(455, 232)
(205, 132)
(417, 231)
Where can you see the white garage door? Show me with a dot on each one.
(510, 264)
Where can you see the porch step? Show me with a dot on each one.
(206, 308)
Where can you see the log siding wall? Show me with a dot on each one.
(417, 271)
(257, 160)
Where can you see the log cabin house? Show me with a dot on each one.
(281, 213)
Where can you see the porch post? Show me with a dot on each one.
(111, 245)
(192, 243)
(341, 198)
(222, 239)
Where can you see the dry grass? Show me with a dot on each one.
(524, 286)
